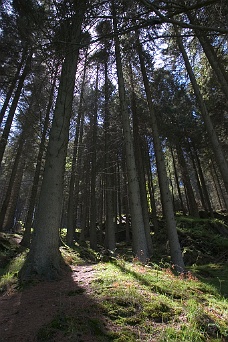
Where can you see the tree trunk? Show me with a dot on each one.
(193, 208)
(11, 88)
(203, 183)
(217, 149)
(93, 204)
(177, 183)
(33, 196)
(139, 163)
(11, 208)
(175, 249)
(12, 179)
(213, 59)
(44, 256)
(110, 238)
(6, 131)
(71, 199)
(140, 248)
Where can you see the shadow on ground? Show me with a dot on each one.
(54, 311)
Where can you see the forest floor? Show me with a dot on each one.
(117, 299)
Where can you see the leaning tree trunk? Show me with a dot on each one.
(212, 57)
(217, 149)
(6, 131)
(44, 257)
(168, 211)
(9, 220)
(140, 248)
(6, 201)
(12, 87)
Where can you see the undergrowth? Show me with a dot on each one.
(147, 302)
(155, 305)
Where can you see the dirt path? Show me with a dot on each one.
(53, 311)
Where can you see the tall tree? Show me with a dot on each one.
(44, 257)
(167, 204)
(140, 248)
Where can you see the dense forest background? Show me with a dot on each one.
(114, 114)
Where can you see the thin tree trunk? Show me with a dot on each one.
(175, 249)
(6, 201)
(110, 237)
(11, 88)
(177, 183)
(93, 204)
(151, 192)
(140, 248)
(217, 149)
(6, 131)
(11, 208)
(213, 59)
(203, 183)
(71, 199)
(193, 208)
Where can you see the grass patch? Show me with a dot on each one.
(153, 304)
(11, 261)
(74, 328)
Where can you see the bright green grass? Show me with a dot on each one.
(154, 305)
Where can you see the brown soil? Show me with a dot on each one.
(64, 310)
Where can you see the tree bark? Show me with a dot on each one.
(71, 198)
(110, 238)
(177, 183)
(93, 204)
(44, 257)
(140, 248)
(193, 208)
(33, 196)
(139, 163)
(175, 249)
